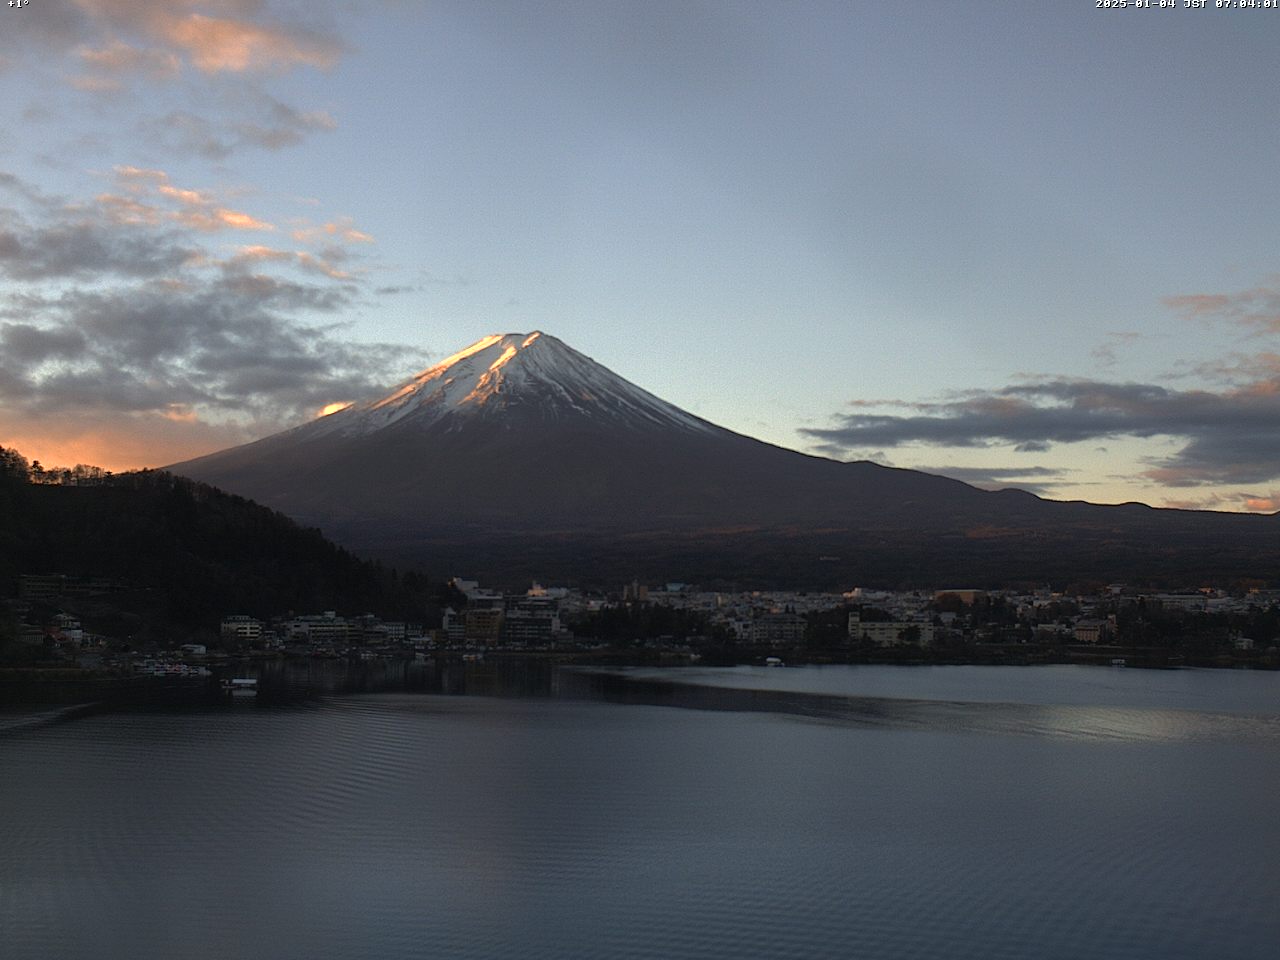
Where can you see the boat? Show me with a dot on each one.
(773, 662)
(1117, 662)
(240, 687)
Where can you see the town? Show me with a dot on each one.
(678, 622)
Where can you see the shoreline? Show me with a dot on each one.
(36, 696)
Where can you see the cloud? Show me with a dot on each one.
(1236, 502)
(216, 45)
(195, 209)
(1233, 436)
(1037, 480)
(340, 230)
(114, 39)
(243, 37)
(1105, 354)
(220, 344)
(1257, 309)
(201, 217)
(283, 127)
(109, 68)
(246, 256)
(223, 49)
(83, 245)
(260, 121)
(28, 192)
(116, 314)
(1257, 372)
(1231, 432)
(29, 344)
(1263, 503)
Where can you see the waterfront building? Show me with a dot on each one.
(778, 628)
(890, 633)
(531, 621)
(240, 628)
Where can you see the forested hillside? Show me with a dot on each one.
(182, 554)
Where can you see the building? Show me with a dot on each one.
(778, 628)
(1091, 631)
(240, 629)
(531, 621)
(890, 633)
(454, 626)
(31, 634)
(326, 629)
(65, 629)
(482, 620)
(635, 592)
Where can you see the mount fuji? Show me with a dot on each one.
(519, 456)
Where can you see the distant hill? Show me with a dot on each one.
(520, 457)
(184, 554)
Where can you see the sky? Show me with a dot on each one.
(1031, 245)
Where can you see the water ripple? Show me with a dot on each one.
(409, 826)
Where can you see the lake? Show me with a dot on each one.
(852, 811)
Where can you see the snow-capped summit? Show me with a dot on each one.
(517, 377)
(521, 431)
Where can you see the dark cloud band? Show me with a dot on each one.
(1233, 436)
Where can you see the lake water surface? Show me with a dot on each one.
(714, 813)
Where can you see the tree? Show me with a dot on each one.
(14, 465)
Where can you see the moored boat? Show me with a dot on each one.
(240, 687)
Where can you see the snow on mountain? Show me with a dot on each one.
(513, 375)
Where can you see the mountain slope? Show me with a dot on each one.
(520, 456)
(525, 430)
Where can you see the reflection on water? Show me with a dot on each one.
(1223, 691)
(578, 819)
(792, 693)
(289, 680)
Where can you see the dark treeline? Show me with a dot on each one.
(644, 621)
(186, 554)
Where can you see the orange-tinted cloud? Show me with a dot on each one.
(190, 197)
(1257, 308)
(137, 178)
(1198, 304)
(219, 218)
(128, 210)
(300, 258)
(340, 229)
(1234, 502)
(197, 210)
(215, 45)
(107, 68)
(241, 39)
